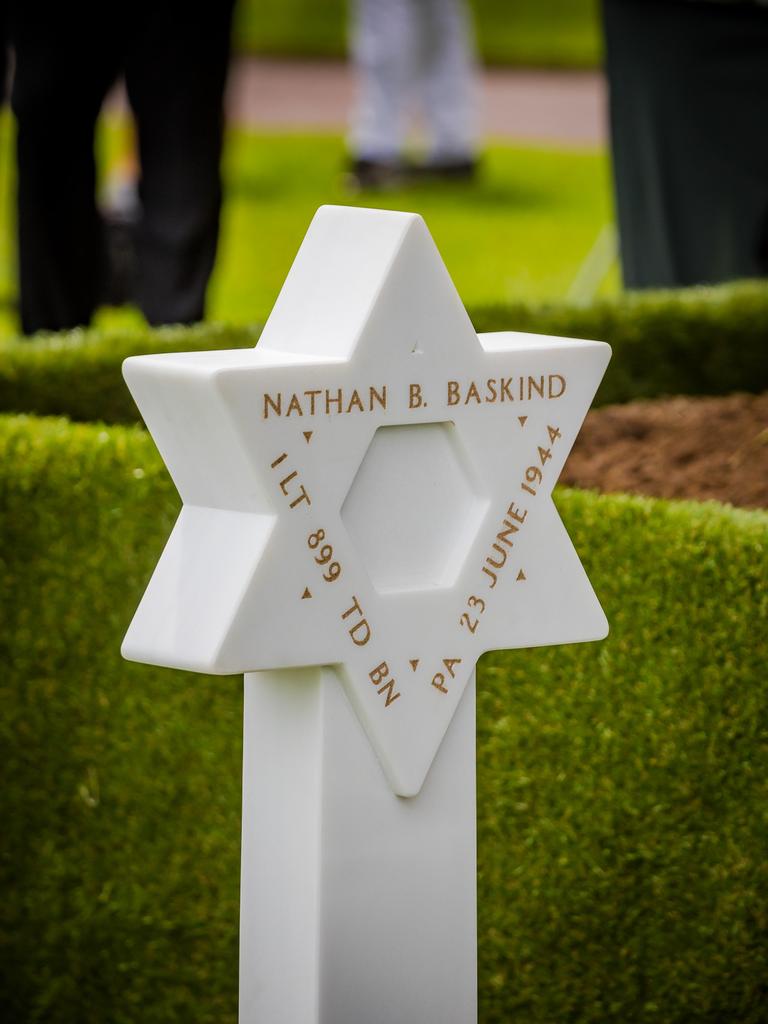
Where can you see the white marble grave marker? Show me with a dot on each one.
(366, 511)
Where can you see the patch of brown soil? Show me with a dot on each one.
(696, 448)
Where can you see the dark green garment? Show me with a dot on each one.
(689, 135)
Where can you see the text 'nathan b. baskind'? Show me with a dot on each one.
(374, 398)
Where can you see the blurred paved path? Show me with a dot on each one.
(564, 108)
(556, 107)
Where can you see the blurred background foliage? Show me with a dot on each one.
(529, 33)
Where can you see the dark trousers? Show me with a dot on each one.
(174, 56)
(689, 134)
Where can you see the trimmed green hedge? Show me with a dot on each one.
(78, 373)
(706, 341)
(695, 341)
(622, 786)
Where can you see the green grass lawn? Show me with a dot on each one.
(521, 232)
(538, 33)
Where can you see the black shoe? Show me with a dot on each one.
(460, 169)
(374, 175)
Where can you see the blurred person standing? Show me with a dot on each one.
(174, 57)
(412, 54)
(688, 82)
(3, 51)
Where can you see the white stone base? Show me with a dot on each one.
(357, 906)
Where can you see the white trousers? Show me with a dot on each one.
(413, 56)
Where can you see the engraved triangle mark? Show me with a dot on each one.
(307, 593)
(521, 575)
(307, 435)
(414, 663)
(522, 420)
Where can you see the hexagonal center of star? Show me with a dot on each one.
(414, 507)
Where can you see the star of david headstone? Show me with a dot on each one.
(366, 510)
